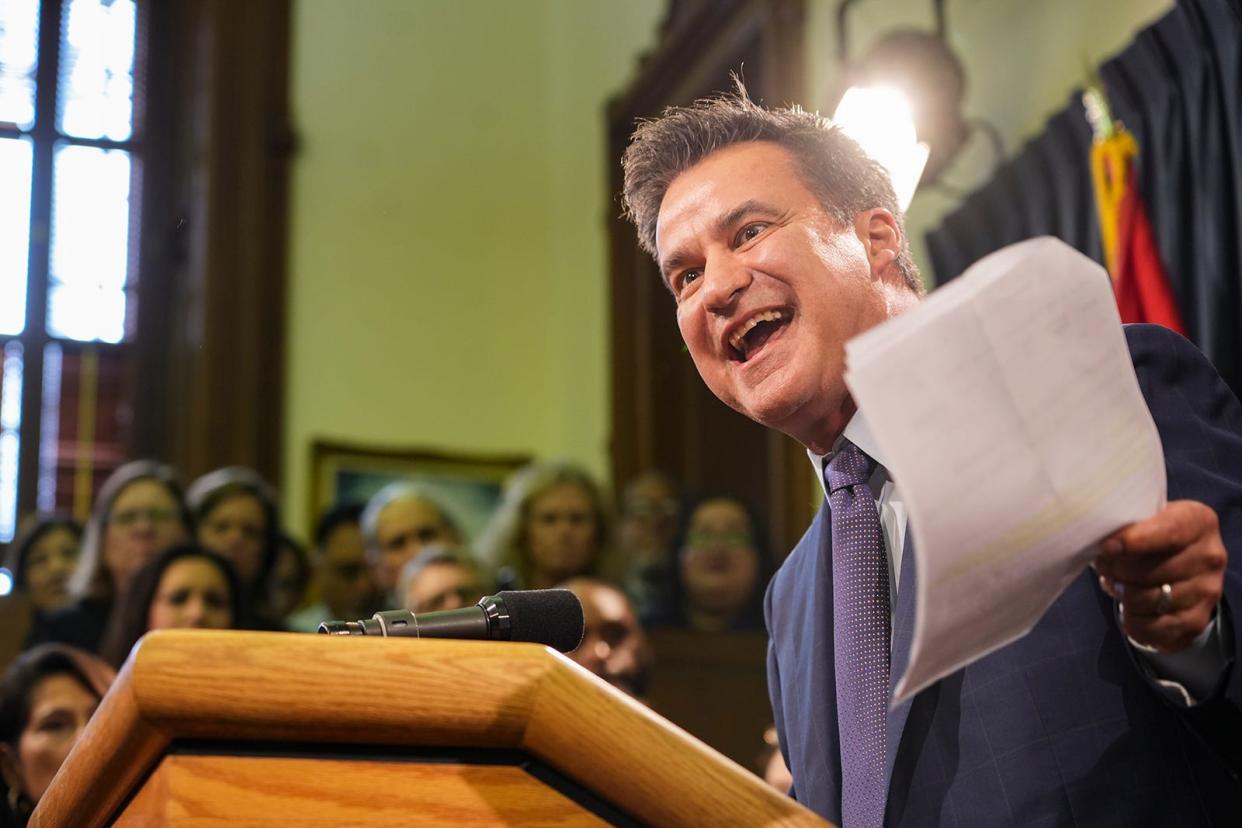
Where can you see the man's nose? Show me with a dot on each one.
(724, 279)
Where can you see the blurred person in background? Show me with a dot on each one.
(552, 525)
(440, 578)
(340, 576)
(722, 569)
(646, 535)
(41, 559)
(138, 513)
(398, 522)
(236, 516)
(614, 646)
(187, 587)
(46, 698)
(290, 577)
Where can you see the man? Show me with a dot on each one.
(399, 521)
(440, 578)
(614, 646)
(646, 533)
(340, 574)
(780, 240)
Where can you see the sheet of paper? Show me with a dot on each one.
(1009, 416)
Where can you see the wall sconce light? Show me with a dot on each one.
(915, 73)
(879, 118)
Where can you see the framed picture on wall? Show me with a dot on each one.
(467, 485)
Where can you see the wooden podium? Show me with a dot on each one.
(229, 728)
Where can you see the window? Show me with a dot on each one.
(70, 173)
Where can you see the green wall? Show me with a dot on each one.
(447, 277)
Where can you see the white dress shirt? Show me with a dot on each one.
(1185, 677)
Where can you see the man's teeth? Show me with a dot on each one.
(737, 339)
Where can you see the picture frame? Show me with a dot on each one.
(468, 486)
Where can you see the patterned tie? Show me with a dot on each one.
(860, 634)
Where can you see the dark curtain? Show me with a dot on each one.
(1178, 88)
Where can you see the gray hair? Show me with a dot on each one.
(834, 167)
(434, 555)
(393, 492)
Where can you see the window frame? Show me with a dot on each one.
(34, 337)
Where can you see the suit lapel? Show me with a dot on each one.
(903, 635)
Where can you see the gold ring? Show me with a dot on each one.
(1166, 599)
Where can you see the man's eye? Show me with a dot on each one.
(689, 277)
(750, 231)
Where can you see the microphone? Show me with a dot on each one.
(542, 616)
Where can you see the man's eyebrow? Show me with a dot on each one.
(719, 226)
(745, 208)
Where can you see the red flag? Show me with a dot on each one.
(1141, 284)
(1139, 279)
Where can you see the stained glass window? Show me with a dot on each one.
(19, 59)
(97, 69)
(15, 160)
(89, 244)
(10, 435)
(68, 242)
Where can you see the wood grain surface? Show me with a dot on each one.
(312, 689)
(206, 791)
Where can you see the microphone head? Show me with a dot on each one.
(545, 616)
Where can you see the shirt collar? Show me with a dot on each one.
(857, 432)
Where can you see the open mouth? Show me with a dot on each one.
(751, 336)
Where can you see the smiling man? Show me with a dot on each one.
(779, 241)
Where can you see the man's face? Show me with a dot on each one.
(769, 287)
(443, 586)
(403, 529)
(613, 646)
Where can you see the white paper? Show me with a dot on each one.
(1009, 416)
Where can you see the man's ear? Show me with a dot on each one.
(881, 237)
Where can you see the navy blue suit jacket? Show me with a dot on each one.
(1061, 727)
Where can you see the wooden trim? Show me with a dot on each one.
(212, 299)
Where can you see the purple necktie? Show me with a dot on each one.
(860, 622)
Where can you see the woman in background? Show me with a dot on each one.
(290, 578)
(139, 512)
(236, 516)
(552, 525)
(723, 567)
(187, 587)
(40, 560)
(46, 698)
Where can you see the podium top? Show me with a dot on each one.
(305, 689)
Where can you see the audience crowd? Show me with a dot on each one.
(215, 555)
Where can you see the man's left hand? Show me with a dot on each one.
(1167, 574)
